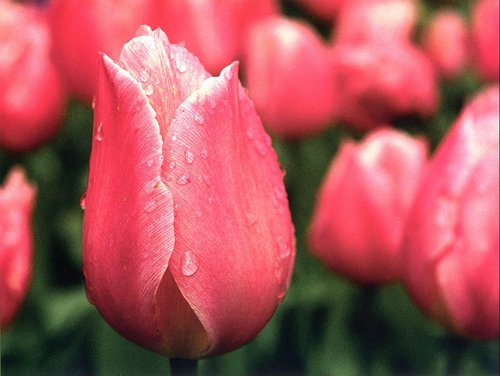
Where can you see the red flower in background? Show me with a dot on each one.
(17, 198)
(485, 38)
(357, 225)
(451, 246)
(289, 78)
(188, 243)
(32, 99)
(446, 41)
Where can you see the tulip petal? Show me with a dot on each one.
(162, 69)
(232, 260)
(128, 233)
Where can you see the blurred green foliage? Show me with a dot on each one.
(325, 326)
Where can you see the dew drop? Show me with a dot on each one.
(251, 218)
(283, 248)
(279, 192)
(172, 165)
(189, 264)
(199, 118)
(150, 206)
(144, 74)
(208, 179)
(250, 133)
(189, 155)
(212, 103)
(183, 179)
(204, 153)
(174, 138)
(148, 89)
(181, 66)
(150, 163)
(99, 132)
(260, 147)
(82, 200)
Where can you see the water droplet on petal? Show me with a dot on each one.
(251, 218)
(183, 179)
(250, 133)
(189, 264)
(144, 74)
(199, 118)
(82, 200)
(148, 89)
(283, 248)
(260, 147)
(172, 165)
(189, 155)
(150, 206)
(150, 163)
(204, 153)
(174, 138)
(208, 179)
(181, 66)
(99, 131)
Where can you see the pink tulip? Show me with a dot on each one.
(188, 243)
(362, 207)
(485, 38)
(213, 29)
(451, 247)
(17, 198)
(289, 77)
(362, 21)
(31, 96)
(446, 41)
(378, 82)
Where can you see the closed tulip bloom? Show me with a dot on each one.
(485, 38)
(188, 243)
(446, 41)
(289, 77)
(380, 82)
(451, 247)
(17, 198)
(361, 209)
(32, 98)
(362, 21)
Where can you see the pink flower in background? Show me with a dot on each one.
(32, 99)
(188, 244)
(446, 41)
(362, 21)
(451, 247)
(379, 82)
(17, 198)
(289, 78)
(82, 28)
(485, 38)
(357, 225)
(212, 29)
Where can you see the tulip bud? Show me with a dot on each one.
(362, 21)
(380, 82)
(446, 41)
(485, 38)
(188, 244)
(289, 77)
(31, 96)
(451, 246)
(357, 225)
(17, 198)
